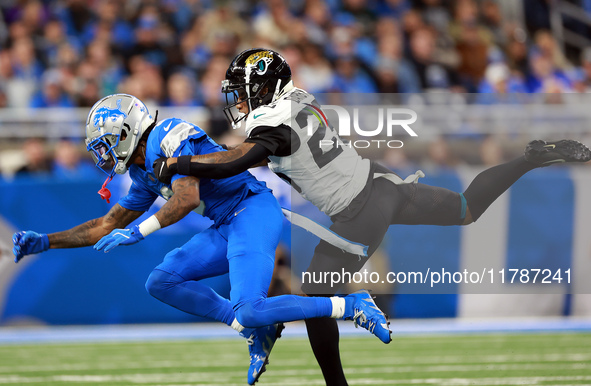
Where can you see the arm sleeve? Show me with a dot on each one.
(277, 139)
(222, 170)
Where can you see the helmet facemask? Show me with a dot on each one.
(256, 77)
(237, 93)
(103, 153)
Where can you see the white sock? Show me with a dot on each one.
(237, 326)
(338, 307)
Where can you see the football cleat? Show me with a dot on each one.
(260, 343)
(544, 153)
(360, 307)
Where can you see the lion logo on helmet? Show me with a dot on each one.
(102, 114)
(260, 61)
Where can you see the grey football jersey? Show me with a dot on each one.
(320, 167)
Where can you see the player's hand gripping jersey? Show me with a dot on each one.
(173, 137)
(307, 152)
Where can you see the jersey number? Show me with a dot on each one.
(320, 157)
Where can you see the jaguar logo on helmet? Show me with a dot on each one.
(102, 114)
(260, 61)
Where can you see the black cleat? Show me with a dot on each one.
(544, 153)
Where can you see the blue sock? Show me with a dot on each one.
(348, 307)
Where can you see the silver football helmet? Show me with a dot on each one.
(114, 127)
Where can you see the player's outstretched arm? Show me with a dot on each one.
(221, 164)
(86, 234)
(183, 201)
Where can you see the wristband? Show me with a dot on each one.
(184, 165)
(44, 242)
(151, 224)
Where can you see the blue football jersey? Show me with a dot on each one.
(174, 137)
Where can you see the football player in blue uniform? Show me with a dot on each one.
(286, 126)
(122, 136)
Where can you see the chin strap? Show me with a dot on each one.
(104, 192)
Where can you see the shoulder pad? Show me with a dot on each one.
(172, 132)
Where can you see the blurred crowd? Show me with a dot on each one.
(70, 53)
(175, 52)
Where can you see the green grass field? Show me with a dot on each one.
(491, 359)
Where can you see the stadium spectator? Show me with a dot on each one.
(273, 25)
(394, 73)
(301, 70)
(221, 24)
(516, 51)
(24, 71)
(492, 19)
(3, 99)
(33, 15)
(545, 77)
(146, 78)
(498, 79)
(111, 71)
(52, 93)
(54, 36)
(350, 77)
(472, 42)
(109, 24)
(491, 152)
(315, 71)
(213, 99)
(586, 69)
(545, 45)
(75, 14)
(432, 75)
(36, 158)
(317, 20)
(435, 44)
(393, 8)
(537, 14)
(181, 90)
(155, 40)
(88, 84)
(440, 156)
(69, 164)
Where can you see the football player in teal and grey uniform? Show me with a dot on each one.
(362, 198)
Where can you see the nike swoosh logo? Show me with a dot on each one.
(256, 116)
(162, 167)
(168, 127)
(236, 213)
(121, 234)
(551, 146)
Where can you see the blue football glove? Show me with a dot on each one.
(119, 237)
(27, 243)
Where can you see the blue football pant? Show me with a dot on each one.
(244, 247)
